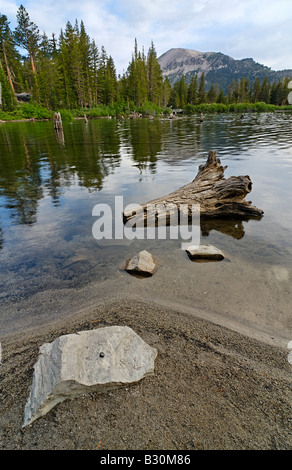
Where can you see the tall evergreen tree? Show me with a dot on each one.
(264, 94)
(202, 93)
(95, 60)
(6, 47)
(70, 66)
(182, 92)
(154, 77)
(212, 94)
(166, 92)
(193, 91)
(49, 78)
(102, 77)
(221, 97)
(86, 62)
(174, 96)
(137, 78)
(256, 90)
(111, 82)
(27, 35)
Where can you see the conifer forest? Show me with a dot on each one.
(69, 71)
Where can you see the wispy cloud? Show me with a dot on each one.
(240, 28)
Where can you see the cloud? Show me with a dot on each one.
(240, 28)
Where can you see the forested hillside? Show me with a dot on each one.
(70, 71)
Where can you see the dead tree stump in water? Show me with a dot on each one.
(57, 120)
(218, 197)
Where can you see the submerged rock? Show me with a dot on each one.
(89, 361)
(205, 252)
(142, 264)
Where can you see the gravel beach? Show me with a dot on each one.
(213, 388)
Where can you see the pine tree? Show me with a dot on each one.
(166, 92)
(242, 90)
(154, 77)
(111, 82)
(95, 59)
(49, 78)
(175, 97)
(264, 94)
(231, 93)
(6, 46)
(212, 94)
(202, 93)
(247, 90)
(193, 91)
(221, 98)
(137, 78)
(102, 77)
(182, 92)
(86, 63)
(70, 69)
(279, 92)
(27, 35)
(256, 90)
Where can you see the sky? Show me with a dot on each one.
(261, 29)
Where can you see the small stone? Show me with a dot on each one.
(205, 252)
(143, 263)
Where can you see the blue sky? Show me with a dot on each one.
(261, 29)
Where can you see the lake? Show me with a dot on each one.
(51, 265)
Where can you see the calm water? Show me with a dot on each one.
(49, 185)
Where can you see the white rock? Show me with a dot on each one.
(89, 361)
(142, 263)
(205, 252)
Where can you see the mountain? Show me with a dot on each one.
(218, 68)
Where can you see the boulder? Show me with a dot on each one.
(23, 97)
(142, 264)
(88, 361)
(205, 252)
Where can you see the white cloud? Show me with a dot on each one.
(8, 8)
(240, 28)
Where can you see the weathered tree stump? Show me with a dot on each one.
(57, 120)
(218, 197)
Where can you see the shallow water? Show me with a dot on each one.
(50, 183)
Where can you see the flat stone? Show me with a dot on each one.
(143, 263)
(85, 362)
(205, 252)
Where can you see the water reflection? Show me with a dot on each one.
(146, 143)
(21, 182)
(38, 162)
(60, 136)
(49, 185)
(230, 227)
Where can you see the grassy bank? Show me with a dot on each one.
(36, 111)
(259, 107)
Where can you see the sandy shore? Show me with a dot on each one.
(213, 388)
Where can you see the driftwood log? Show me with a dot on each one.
(218, 197)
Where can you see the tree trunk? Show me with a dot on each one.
(33, 68)
(8, 70)
(218, 197)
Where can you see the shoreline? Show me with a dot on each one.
(213, 388)
(184, 114)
